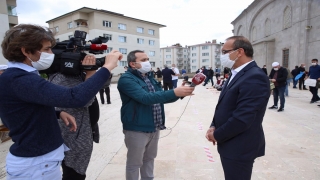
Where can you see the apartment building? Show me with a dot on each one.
(206, 54)
(125, 33)
(8, 19)
(175, 54)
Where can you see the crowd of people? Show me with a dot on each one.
(54, 122)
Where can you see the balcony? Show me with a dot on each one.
(180, 64)
(179, 58)
(179, 53)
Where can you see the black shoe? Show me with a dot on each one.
(319, 105)
(273, 107)
(312, 102)
(108, 102)
(280, 109)
(295, 87)
(102, 102)
(305, 89)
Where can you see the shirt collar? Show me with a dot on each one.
(12, 64)
(238, 69)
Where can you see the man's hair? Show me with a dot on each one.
(242, 42)
(296, 67)
(314, 60)
(132, 56)
(27, 36)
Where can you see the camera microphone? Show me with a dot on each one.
(97, 47)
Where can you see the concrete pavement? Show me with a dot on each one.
(292, 141)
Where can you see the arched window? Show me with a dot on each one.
(267, 30)
(287, 17)
(254, 34)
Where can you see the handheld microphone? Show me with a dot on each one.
(197, 79)
(98, 47)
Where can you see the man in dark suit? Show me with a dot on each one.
(278, 76)
(237, 123)
(167, 78)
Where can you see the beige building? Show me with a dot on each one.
(8, 19)
(175, 54)
(206, 54)
(125, 33)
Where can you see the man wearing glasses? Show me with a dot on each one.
(237, 123)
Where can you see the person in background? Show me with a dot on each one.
(175, 77)
(289, 79)
(106, 89)
(210, 75)
(27, 102)
(278, 76)
(264, 69)
(302, 68)
(183, 72)
(314, 73)
(143, 115)
(158, 74)
(217, 71)
(294, 73)
(167, 78)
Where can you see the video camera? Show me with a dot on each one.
(70, 53)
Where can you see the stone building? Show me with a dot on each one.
(287, 31)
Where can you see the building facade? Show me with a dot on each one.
(177, 55)
(286, 31)
(125, 34)
(8, 19)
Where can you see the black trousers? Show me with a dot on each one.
(301, 83)
(314, 91)
(167, 85)
(107, 90)
(236, 170)
(70, 174)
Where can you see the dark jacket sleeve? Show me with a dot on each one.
(282, 76)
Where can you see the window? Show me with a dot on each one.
(123, 63)
(139, 29)
(151, 42)
(56, 29)
(106, 23)
(70, 36)
(140, 41)
(194, 60)
(12, 10)
(184, 50)
(108, 50)
(194, 67)
(69, 25)
(168, 62)
(152, 53)
(151, 32)
(168, 56)
(123, 50)
(168, 50)
(58, 40)
(205, 54)
(185, 56)
(109, 36)
(205, 47)
(193, 48)
(122, 26)
(122, 39)
(194, 54)
(287, 18)
(153, 64)
(205, 60)
(267, 28)
(285, 58)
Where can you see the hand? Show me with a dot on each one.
(183, 91)
(273, 80)
(111, 60)
(89, 60)
(67, 119)
(318, 79)
(209, 135)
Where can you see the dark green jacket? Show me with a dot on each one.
(137, 101)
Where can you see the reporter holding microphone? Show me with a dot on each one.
(27, 102)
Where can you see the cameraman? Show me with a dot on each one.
(27, 102)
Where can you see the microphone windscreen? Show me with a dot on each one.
(198, 78)
(98, 47)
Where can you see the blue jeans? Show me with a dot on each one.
(288, 84)
(295, 82)
(207, 80)
(175, 82)
(279, 92)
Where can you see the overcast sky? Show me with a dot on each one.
(188, 22)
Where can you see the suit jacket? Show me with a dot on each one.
(281, 77)
(239, 114)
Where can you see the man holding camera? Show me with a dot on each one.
(142, 114)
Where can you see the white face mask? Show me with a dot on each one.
(145, 67)
(313, 64)
(45, 61)
(276, 69)
(225, 60)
